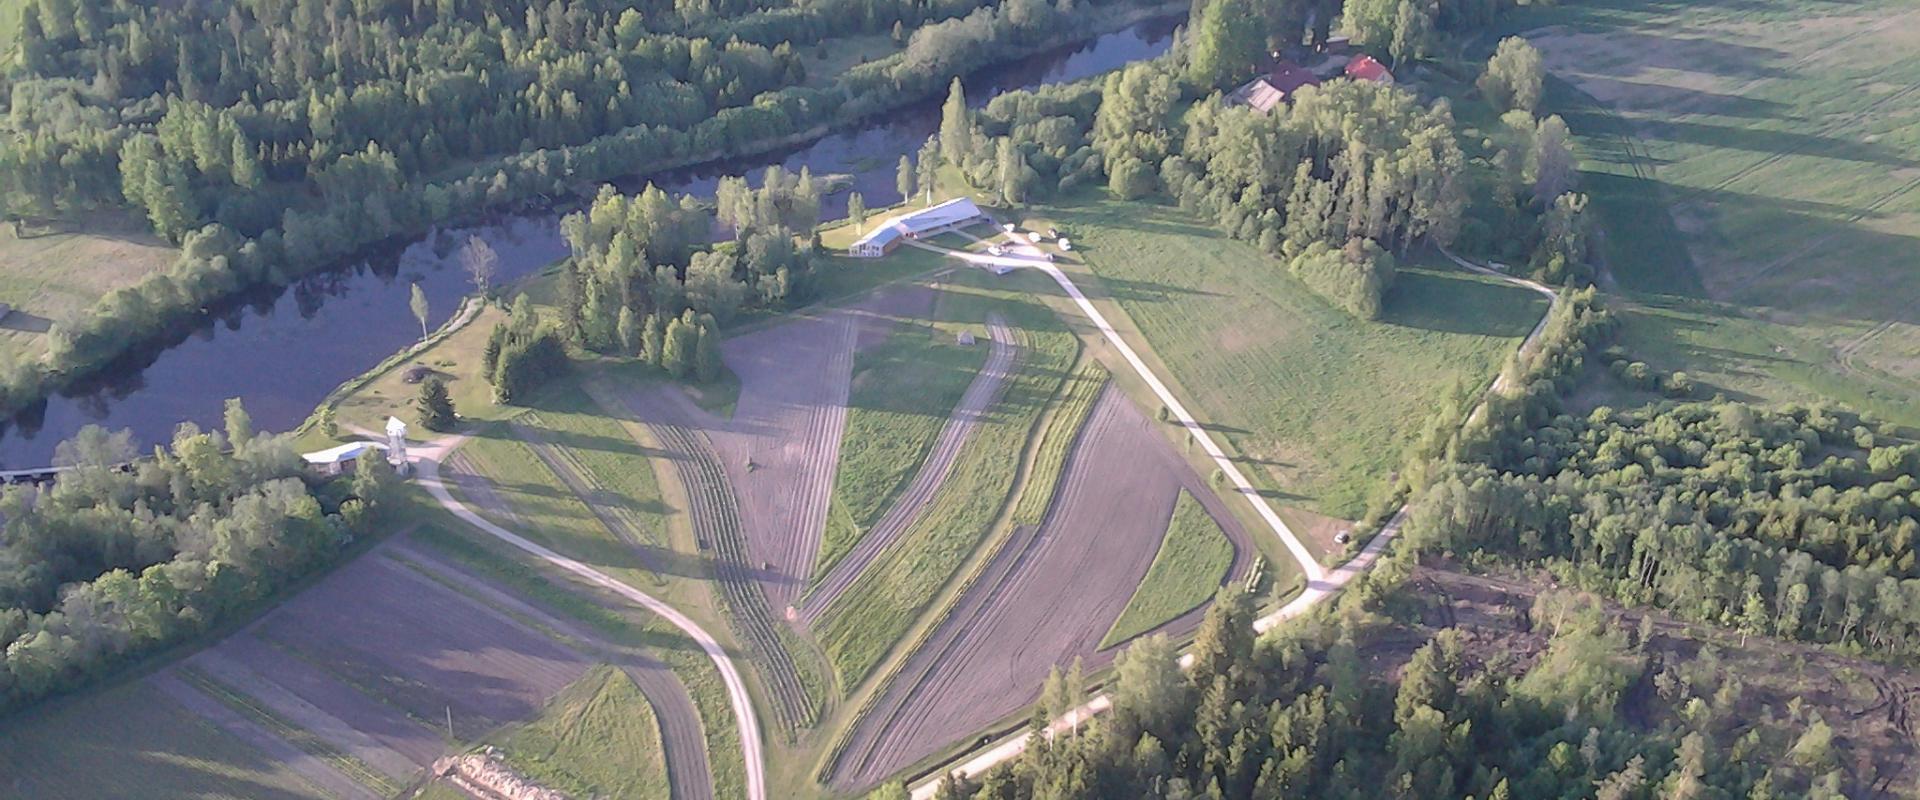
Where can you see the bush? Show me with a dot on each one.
(1355, 277)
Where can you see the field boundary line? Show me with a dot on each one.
(429, 458)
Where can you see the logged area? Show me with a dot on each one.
(1759, 182)
(990, 655)
(1322, 404)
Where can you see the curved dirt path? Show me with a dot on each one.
(682, 734)
(987, 658)
(933, 472)
(1321, 583)
(427, 459)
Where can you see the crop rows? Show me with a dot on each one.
(1076, 402)
(716, 523)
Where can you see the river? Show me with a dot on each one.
(282, 352)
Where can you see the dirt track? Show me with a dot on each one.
(966, 416)
(682, 734)
(1048, 595)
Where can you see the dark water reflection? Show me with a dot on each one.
(282, 352)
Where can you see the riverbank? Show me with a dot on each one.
(50, 404)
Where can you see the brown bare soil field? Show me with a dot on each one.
(423, 647)
(1047, 596)
(980, 395)
(682, 734)
(758, 484)
(310, 768)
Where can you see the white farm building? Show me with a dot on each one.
(890, 232)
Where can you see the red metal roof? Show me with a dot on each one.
(1364, 68)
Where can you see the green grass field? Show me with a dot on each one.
(133, 736)
(50, 274)
(1186, 572)
(1759, 182)
(903, 390)
(596, 738)
(880, 607)
(1320, 403)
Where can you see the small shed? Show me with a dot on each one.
(966, 338)
(334, 460)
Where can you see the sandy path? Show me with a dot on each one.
(314, 770)
(682, 734)
(989, 657)
(966, 416)
(428, 458)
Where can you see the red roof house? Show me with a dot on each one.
(1364, 68)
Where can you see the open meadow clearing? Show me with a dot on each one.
(1757, 169)
(52, 274)
(1322, 403)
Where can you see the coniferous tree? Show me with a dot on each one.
(436, 405)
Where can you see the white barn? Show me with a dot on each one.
(890, 232)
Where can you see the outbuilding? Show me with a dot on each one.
(894, 230)
(334, 460)
(1364, 68)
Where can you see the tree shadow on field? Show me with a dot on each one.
(1452, 301)
(1634, 95)
(26, 323)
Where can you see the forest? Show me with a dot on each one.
(1312, 711)
(273, 138)
(116, 559)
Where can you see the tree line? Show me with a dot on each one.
(116, 559)
(289, 135)
(1311, 711)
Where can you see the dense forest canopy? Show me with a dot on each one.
(109, 561)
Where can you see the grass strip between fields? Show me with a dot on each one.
(548, 511)
(292, 733)
(596, 738)
(1194, 555)
(700, 677)
(1063, 429)
(903, 391)
(879, 608)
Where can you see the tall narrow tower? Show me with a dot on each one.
(397, 445)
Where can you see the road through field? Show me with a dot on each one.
(906, 508)
(428, 457)
(1321, 583)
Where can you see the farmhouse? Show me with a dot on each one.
(1276, 87)
(890, 232)
(1365, 68)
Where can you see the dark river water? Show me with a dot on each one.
(283, 351)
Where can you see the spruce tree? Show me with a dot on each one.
(436, 406)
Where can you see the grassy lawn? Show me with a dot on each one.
(562, 597)
(455, 360)
(1759, 187)
(881, 606)
(596, 738)
(132, 735)
(1320, 403)
(1186, 572)
(903, 390)
(49, 275)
